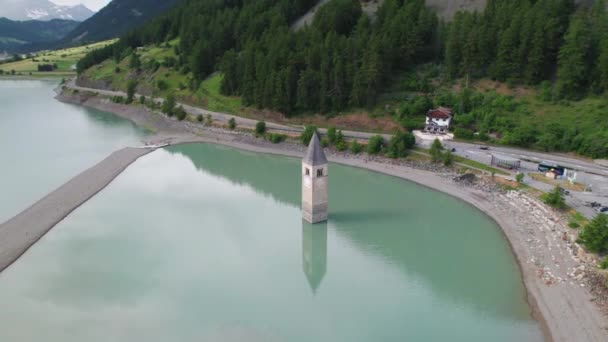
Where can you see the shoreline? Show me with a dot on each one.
(563, 312)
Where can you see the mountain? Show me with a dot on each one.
(118, 17)
(42, 10)
(18, 35)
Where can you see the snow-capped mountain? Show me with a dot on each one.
(42, 10)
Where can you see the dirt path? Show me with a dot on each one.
(18, 234)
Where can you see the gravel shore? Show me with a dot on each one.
(556, 272)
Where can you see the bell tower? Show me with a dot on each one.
(314, 182)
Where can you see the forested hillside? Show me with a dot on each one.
(117, 18)
(345, 60)
(16, 35)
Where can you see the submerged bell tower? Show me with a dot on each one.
(314, 182)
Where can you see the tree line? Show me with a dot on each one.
(529, 41)
(344, 58)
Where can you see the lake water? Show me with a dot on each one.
(205, 243)
(44, 143)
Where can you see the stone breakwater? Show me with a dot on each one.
(19, 233)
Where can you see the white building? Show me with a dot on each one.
(438, 120)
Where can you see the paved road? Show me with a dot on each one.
(587, 172)
(590, 174)
(224, 118)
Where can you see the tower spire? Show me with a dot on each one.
(315, 155)
(314, 182)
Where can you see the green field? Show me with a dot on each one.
(65, 59)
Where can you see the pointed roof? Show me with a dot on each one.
(315, 155)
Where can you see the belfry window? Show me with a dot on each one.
(319, 172)
(307, 172)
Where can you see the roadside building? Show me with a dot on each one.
(438, 120)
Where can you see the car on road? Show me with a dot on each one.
(602, 210)
(564, 191)
(484, 147)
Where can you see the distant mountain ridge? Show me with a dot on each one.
(42, 10)
(118, 17)
(16, 36)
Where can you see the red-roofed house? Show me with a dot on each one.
(438, 120)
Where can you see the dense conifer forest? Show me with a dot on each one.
(346, 58)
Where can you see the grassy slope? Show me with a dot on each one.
(64, 59)
(207, 95)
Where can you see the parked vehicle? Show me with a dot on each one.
(602, 210)
(564, 191)
(549, 166)
(484, 147)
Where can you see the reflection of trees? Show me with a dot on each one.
(269, 175)
(396, 220)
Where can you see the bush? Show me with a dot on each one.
(399, 144)
(604, 263)
(339, 141)
(519, 177)
(118, 99)
(436, 150)
(199, 118)
(331, 135)
(169, 105)
(180, 113)
(463, 133)
(131, 87)
(375, 144)
(573, 224)
(162, 85)
(324, 142)
(135, 62)
(232, 123)
(448, 158)
(356, 147)
(554, 198)
(595, 234)
(208, 120)
(142, 99)
(276, 138)
(260, 128)
(307, 134)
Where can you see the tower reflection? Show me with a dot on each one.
(314, 253)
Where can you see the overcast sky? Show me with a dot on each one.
(95, 5)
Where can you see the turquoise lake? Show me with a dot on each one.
(44, 143)
(205, 243)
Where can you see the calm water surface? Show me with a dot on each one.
(204, 243)
(44, 143)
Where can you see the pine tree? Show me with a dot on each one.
(573, 65)
(229, 69)
(602, 63)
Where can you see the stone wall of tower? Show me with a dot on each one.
(314, 193)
